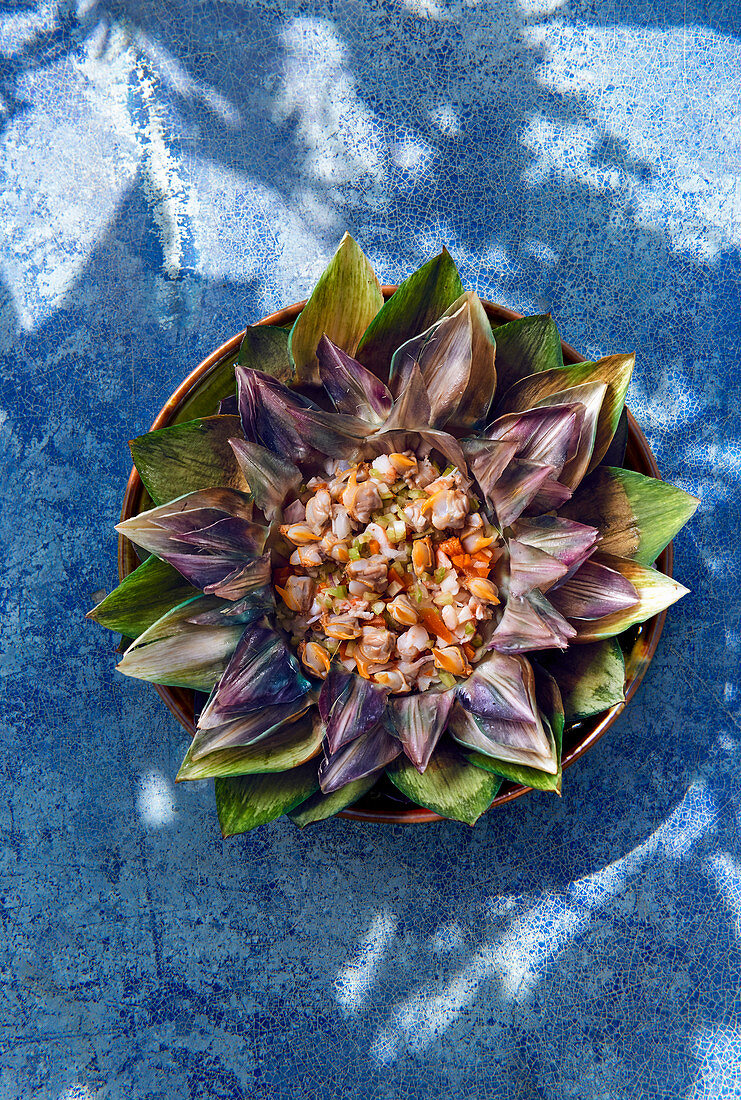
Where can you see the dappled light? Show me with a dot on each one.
(174, 171)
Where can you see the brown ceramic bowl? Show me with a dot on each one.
(388, 806)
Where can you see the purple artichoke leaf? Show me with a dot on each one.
(353, 390)
(332, 435)
(655, 593)
(527, 625)
(270, 477)
(264, 411)
(245, 730)
(411, 408)
(516, 487)
(159, 528)
(528, 743)
(359, 707)
(531, 568)
(232, 536)
(444, 356)
(362, 756)
(591, 396)
(593, 592)
(549, 497)
(547, 435)
(335, 690)
(501, 687)
(228, 406)
(419, 721)
(488, 459)
(245, 577)
(570, 542)
(262, 672)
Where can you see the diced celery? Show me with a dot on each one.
(477, 640)
(340, 592)
(378, 607)
(469, 629)
(440, 574)
(353, 554)
(446, 679)
(384, 492)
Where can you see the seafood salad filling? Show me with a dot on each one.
(389, 570)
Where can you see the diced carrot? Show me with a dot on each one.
(460, 561)
(469, 650)
(451, 546)
(432, 620)
(374, 546)
(343, 650)
(482, 555)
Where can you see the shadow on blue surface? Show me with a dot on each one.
(572, 947)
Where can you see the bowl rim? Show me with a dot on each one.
(180, 702)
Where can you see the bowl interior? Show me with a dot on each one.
(384, 803)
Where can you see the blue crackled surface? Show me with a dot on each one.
(171, 171)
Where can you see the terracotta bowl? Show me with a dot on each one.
(384, 803)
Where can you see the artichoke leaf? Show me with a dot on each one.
(412, 408)
(321, 806)
(636, 516)
(546, 434)
(418, 721)
(655, 592)
(552, 718)
(449, 785)
(591, 677)
(531, 568)
(142, 598)
(286, 748)
(245, 801)
(593, 592)
(614, 371)
(178, 653)
(524, 347)
(186, 457)
(352, 389)
(343, 303)
(270, 477)
(419, 301)
(365, 755)
(564, 539)
(262, 672)
(265, 348)
(531, 623)
(247, 729)
(444, 356)
(500, 686)
(516, 487)
(349, 706)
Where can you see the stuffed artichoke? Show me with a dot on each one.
(397, 549)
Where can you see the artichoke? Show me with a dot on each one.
(397, 549)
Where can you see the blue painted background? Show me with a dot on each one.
(173, 169)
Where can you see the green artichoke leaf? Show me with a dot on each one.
(343, 303)
(416, 304)
(321, 806)
(142, 598)
(614, 371)
(636, 516)
(526, 346)
(591, 677)
(449, 785)
(655, 591)
(287, 748)
(185, 457)
(203, 400)
(244, 801)
(552, 717)
(178, 653)
(265, 348)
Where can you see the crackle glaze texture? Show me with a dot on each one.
(171, 171)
